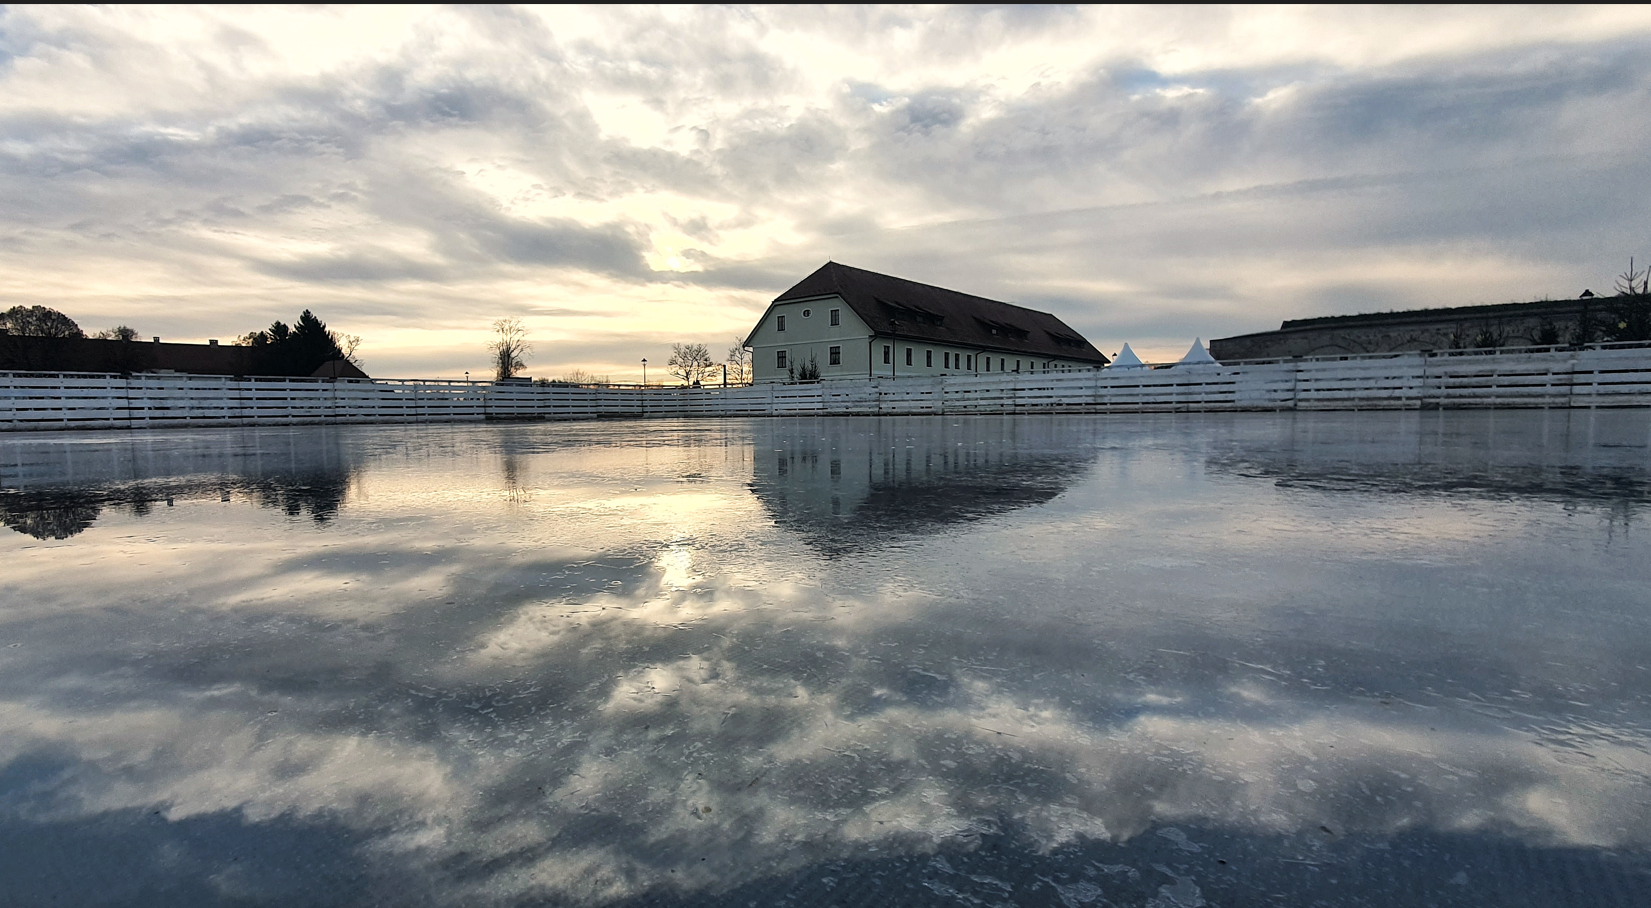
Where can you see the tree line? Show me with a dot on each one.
(690, 362)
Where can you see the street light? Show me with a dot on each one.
(644, 372)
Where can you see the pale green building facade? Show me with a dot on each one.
(843, 323)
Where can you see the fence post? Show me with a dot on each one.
(1570, 382)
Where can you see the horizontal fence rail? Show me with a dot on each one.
(1601, 375)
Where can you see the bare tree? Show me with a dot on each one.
(117, 333)
(577, 377)
(509, 345)
(1630, 315)
(739, 363)
(1633, 282)
(347, 345)
(690, 362)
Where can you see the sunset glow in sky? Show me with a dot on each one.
(624, 178)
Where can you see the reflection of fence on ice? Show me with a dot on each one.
(1599, 375)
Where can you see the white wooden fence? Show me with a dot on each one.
(1601, 375)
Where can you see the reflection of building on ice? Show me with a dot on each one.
(57, 492)
(850, 484)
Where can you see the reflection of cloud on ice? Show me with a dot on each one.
(696, 771)
(750, 739)
(676, 566)
(581, 704)
(189, 762)
(696, 753)
(1374, 774)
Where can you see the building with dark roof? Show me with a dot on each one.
(1540, 323)
(25, 353)
(851, 323)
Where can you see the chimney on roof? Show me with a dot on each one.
(157, 340)
(212, 343)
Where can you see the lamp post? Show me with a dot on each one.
(644, 372)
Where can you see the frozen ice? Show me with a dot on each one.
(721, 662)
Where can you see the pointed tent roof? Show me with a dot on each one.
(1198, 356)
(1127, 359)
(896, 307)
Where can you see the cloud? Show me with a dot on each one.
(311, 158)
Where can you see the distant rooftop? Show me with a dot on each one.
(1443, 313)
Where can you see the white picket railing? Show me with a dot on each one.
(1604, 375)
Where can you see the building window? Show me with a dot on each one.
(779, 359)
(908, 356)
(836, 356)
(888, 355)
(947, 359)
(807, 313)
(970, 366)
(928, 358)
(988, 364)
(780, 324)
(836, 317)
(1017, 365)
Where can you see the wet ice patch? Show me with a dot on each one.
(1183, 893)
(1180, 839)
(1079, 894)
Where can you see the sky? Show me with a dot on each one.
(622, 179)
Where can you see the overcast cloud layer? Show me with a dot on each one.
(625, 178)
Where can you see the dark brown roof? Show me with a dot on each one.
(22, 353)
(897, 307)
(338, 368)
(1448, 313)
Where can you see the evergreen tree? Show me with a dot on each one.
(299, 350)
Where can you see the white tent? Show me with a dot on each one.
(1198, 356)
(1126, 359)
